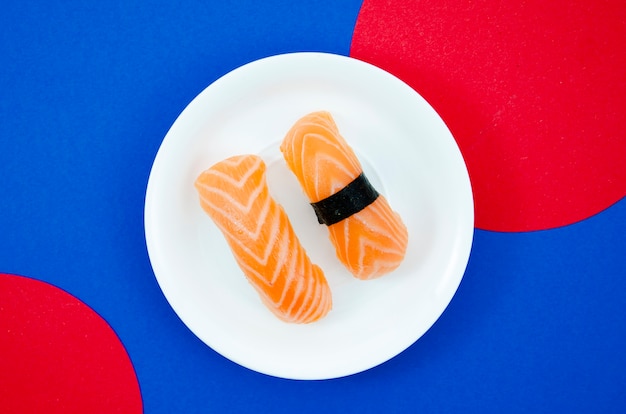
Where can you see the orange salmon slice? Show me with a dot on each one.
(371, 242)
(235, 195)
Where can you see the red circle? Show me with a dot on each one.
(58, 355)
(534, 92)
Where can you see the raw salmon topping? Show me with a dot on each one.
(235, 195)
(371, 242)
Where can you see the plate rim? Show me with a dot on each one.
(461, 263)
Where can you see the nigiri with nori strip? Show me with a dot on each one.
(234, 193)
(370, 242)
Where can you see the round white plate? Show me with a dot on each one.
(406, 151)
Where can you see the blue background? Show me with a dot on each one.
(89, 90)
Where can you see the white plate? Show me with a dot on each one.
(408, 154)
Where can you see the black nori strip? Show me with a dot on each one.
(348, 201)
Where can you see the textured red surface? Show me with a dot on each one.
(58, 356)
(533, 91)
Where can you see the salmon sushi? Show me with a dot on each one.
(370, 239)
(234, 193)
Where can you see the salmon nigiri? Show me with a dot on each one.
(371, 239)
(234, 193)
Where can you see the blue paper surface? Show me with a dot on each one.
(90, 89)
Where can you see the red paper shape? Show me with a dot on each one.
(58, 356)
(533, 91)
